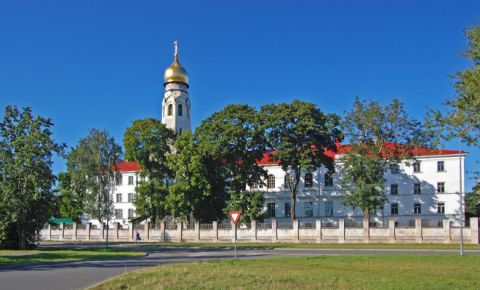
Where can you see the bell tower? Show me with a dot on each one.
(176, 101)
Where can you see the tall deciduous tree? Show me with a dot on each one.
(249, 203)
(378, 136)
(26, 178)
(70, 202)
(91, 166)
(192, 194)
(300, 133)
(462, 118)
(148, 142)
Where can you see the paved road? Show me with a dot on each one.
(79, 275)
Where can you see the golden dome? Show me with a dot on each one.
(176, 73)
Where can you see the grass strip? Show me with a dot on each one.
(316, 272)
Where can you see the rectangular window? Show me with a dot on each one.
(119, 197)
(130, 213)
(288, 212)
(271, 209)
(417, 208)
(440, 166)
(130, 197)
(118, 180)
(328, 208)
(394, 209)
(271, 181)
(118, 214)
(308, 180)
(394, 189)
(441, 187)
(416, 166)
(417, 189)
(130, 180)
(394, 168)
(328, 179)
(308, 207)
(441, 207)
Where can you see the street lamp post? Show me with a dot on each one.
(461, 195)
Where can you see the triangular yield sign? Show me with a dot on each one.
(235, 216)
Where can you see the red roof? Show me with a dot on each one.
(342, 149)
(125, 166)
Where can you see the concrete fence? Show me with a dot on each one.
(273, 231)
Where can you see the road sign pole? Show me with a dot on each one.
(235, 242)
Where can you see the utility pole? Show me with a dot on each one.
(461, 195)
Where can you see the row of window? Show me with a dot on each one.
(417, 188)
(417, 208)
(417, 167)
(308, 209)
(179, 110)
(119, 213)
(288, 180)
(118, 197)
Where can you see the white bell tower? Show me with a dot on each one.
(176, 101)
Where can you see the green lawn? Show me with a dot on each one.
(61, 255)
(319, 272)
(317, 246)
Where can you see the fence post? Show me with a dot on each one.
(274, 230)
(102, 229)
(446, 231)
(318, 231)
(179, 231)
(296, 231)
(366, 230)
(341, 231)
(74, 237)
(146, 230)
(391, 231)
(162, 231)
(130, 231)
(474, 230)
(254, 230)
(418, 230)
(117, 228)
(197, 231)
(89, 227)
(62, 231)
(215, 231)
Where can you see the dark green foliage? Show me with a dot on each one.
(26, 178)
(249, 203)
(91, 166)
(378, 136)
(472, 201)
(299, 133)
(70, 204)
(148, 142)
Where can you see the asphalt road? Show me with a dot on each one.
(79, 275)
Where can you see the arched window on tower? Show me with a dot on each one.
(308, 180)
(180, 110)
(170, 110)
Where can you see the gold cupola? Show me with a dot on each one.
(176, 73)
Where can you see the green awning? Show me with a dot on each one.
(61, 220)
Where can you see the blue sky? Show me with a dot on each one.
(99, 64)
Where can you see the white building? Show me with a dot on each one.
(429, 189)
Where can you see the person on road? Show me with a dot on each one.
(137, 237)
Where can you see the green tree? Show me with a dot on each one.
(233, 136)
(462, 117)
(473, 201)
(299, 133)
(191, 194)
(91, 166)
(378, 136)
(148, 142)
(26, 178)
(249, 203)
(70, 203)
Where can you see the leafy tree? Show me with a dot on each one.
(299, 133)
(191, 195)
(26, 178)
(473, 201)
(462, 118)
(249, 203)
(233, 136)
(378, 136)
(148, 142)
(91, 167)
(69, 202)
